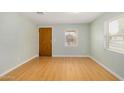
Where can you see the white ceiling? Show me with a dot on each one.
(62, 17)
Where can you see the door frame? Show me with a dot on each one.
(52, 37)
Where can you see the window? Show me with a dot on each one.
(71, 38)
(115, 35)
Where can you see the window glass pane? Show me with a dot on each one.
(116, 33)
(71, 38)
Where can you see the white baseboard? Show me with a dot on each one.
(70, 55)
(108, 69)
(4, 73)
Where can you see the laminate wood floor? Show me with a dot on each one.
(67, 69)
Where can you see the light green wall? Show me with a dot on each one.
(18, 40)
(59, 48)
(112, 60)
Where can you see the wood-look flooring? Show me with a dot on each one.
(48, 68)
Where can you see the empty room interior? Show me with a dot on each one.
(61, 46)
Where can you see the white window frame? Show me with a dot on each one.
(106, 36)
(67, 30)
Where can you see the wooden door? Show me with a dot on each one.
(45, 42)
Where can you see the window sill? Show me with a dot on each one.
(116, 50)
